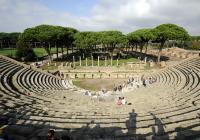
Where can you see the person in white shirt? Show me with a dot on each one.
(123, 101)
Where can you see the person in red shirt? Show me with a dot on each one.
(119, 102)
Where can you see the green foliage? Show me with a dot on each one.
(86, 40)
(133, 38)
(112, 38)
(49, 35)
(29, 34)
(140, 36)
(166, 32)
(8, 39)
(25, 52)
(195, 38)
(10, 36)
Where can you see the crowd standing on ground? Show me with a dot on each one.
(129, 85)
(134, 82)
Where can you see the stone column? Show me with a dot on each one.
(86, 62)
(105, 61)
(98, 61)
(79, 60)
(145, 60)
(61, 65)
(92, 61)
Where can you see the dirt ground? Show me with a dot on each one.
(98, 84)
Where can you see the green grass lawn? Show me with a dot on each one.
(40, 52)
(8, 51)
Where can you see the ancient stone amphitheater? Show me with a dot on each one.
(31, 103)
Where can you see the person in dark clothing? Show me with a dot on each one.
(51, 135)
(144, 83)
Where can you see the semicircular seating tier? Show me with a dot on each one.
(33, 101)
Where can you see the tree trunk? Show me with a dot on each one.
(56, 49)
(146, 46)
(62, 51)
(160, 50)
(49, 48)
(8, 44)
(67, 50)
(1, 44)
(95, 46)
(126, 48)
(141, 48)
(72, 49)
(136, 47)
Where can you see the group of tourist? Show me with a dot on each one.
(134, 82)
(101, 93)
(148, 81)
(88, 93)
(131, 82)
(118, 88)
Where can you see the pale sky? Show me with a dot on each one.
(97, 15)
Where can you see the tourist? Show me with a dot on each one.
(120, 88)
(115, 89)
(133, 79)
(62, 75)
(88, 93)
(123, 101)
(124, 84)
(103, 92)
(131, 84)
(147, 81)
(119, 102)
(51, 135)
(144, 83)
(138, 85)
(150, 80)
